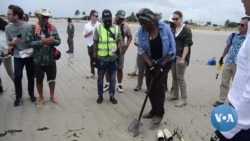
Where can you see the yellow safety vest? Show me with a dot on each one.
(107, 45)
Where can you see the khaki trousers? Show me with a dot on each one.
(141, 70)
(178, 74)
(227, 74)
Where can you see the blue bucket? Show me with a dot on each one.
(211, 61)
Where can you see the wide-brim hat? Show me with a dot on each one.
(43, 12)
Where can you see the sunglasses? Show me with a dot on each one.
(241, 25)
(175, 19)
(45, 17)
(121, 19)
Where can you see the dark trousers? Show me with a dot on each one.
(157, 91)
(90, 52)
(70, 42)
(243, 135)
(19, 64)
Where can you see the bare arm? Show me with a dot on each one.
(226, 49)
(185, 52)
(88, 34)
(10, 44)
(136, 44)
(95, 47)
(129, 39)
(14, 42)
(167, 58)
(147, 59)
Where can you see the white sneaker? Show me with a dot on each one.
(181, 103)
(120, 89)
(106, 88)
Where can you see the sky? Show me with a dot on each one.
(215, 11)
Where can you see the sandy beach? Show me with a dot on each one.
(79, 118)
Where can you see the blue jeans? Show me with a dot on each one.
(19, 64)
(111, 69)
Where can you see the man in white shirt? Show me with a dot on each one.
(239, 95)
(88, 33)
(5, 58)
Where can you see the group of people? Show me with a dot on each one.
(32, 47)
(160, 49)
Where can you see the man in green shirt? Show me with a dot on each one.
(43, 37)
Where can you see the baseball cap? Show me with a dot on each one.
(106, 15)
(121, 14)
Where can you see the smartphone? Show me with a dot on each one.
(19, 36)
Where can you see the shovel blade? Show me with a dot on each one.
(135, 127)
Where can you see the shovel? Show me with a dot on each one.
(136, 126)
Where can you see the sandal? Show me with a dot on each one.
(55, 101)
(40, 103)
(132, 74)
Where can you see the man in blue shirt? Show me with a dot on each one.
(232, 48)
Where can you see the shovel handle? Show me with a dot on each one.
(145, 100)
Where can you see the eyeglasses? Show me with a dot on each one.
(175, 19)
(45, 17)
(241, 25)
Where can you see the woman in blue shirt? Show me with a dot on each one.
(157, 47)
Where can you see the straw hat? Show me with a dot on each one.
(43, 12)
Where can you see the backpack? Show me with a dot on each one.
(231, 40)
(57, 53)
(122, 31)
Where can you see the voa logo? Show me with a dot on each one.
(224, 117)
